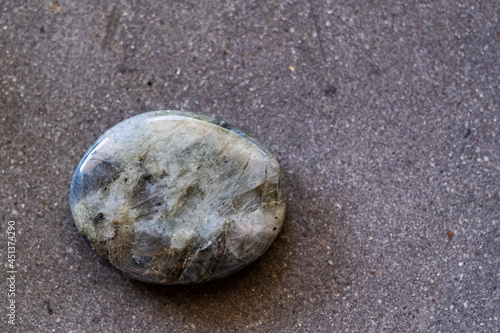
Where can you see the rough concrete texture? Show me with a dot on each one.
(385, 116)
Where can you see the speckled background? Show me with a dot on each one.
(385, 116)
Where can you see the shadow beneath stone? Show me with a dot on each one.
(324, 237)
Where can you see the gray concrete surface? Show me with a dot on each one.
(385, 116)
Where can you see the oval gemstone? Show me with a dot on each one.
(172, 197)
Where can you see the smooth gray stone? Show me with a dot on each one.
(173, 197)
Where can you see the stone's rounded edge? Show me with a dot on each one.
(77, 184)
(76, 179)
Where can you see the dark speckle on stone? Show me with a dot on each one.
(223, 124)
(147, 178)
(98, 218)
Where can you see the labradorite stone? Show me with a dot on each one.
(173, 197)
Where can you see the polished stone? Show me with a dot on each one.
(173, 197)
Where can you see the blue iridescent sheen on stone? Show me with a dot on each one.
(172, 197)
